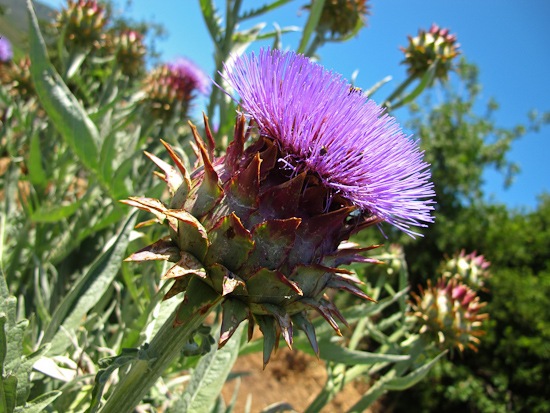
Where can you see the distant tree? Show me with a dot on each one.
(510, 370)
(461, 140)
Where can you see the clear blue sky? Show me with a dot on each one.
(508, 40)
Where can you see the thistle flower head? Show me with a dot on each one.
(436, 44)
(449, 313)
(130, 52)
(186, 71)
(322, 125)
(471, 268)
(264, 227)
(342, 16)
(83, 22)
(17, 77)
(170, 88)
(6, 52)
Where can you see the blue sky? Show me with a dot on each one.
(508, 40)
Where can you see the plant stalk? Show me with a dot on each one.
(166, 346)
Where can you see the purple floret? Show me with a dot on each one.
(187, 69)
(6, 52)
(327, 127)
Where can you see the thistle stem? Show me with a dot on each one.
(163, 349)
(398, 91)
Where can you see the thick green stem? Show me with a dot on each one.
(163, 349)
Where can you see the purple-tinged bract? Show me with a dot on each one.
(326, 126)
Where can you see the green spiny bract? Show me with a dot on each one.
(270, 243)
(449, 314)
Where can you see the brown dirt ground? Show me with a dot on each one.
(292, 377)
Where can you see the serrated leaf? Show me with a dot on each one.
(64, 110)
(211, 18)
(209, 377)
(87, 291)
(262, 10)
(243, 39)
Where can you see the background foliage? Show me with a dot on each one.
(68, 304)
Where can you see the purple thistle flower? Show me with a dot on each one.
(6, 52)
(326, 127)
(185, 69)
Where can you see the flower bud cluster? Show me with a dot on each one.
(82, 22)
(437, 46)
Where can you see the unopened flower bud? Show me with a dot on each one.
(171, 87)
(82, 22)
(437, 44)
(449, 314)
(17, 77)
(130, 52)
(342, 16)
(471, 268)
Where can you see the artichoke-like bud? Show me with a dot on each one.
(264, 226)
(6, 51)
(437, 44)
(17, 77)
(170, 88)
(470, 268)
(130, 52)
(342, 16)
(82, 22)
(449, 312)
